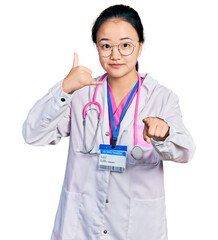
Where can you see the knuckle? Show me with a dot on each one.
(160, 126)
(162, 135)
(149, 118)
(150, 134)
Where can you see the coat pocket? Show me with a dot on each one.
(147, 219)
(66, 220)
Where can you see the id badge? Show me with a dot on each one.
(112, 159)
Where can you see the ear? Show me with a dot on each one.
(141, 44)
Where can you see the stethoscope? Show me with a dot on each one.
(136, 152)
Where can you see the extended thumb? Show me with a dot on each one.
(75, 60)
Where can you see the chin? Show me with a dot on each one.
(117, 73)
(120, 74)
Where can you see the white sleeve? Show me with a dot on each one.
(49, 118)
(179, 145)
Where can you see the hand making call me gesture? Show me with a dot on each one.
(80, 76)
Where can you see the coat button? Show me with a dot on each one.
(62, 99)
(107, 201)
(105, 231)
(107, 134)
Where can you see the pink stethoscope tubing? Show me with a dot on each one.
(94, 100)
(100, 108)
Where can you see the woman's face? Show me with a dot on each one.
(113, 32)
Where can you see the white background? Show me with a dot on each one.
(38, 39)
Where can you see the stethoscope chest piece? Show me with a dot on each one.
(137, 153)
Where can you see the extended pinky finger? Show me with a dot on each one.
(96, 82)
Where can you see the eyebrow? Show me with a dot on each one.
(103, 39)
(107, 39)
(126, 38)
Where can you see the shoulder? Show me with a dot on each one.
(153, 88)
(156, 95)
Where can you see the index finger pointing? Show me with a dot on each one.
(145, 135)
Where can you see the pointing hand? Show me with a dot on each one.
(155, 127)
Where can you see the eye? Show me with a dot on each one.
(106, 46)
(126, 45)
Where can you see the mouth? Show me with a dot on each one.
(116, 65)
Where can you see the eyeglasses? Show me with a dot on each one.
(124, 49)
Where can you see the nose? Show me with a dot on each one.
(115, 53)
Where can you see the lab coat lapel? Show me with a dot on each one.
(130, 114)
(102, 99)
(142, 100)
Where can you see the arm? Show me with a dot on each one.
(174, 142)
(49, 119)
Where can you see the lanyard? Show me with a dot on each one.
(116, 131)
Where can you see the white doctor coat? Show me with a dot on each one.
(96, 204)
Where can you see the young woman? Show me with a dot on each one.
(122, 126)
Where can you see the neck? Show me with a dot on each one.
(121, 86)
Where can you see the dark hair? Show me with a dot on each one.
(123, 12)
